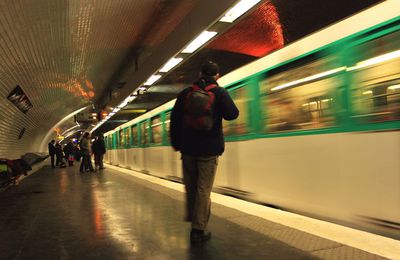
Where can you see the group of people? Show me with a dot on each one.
(78, 152)
(59, 155)
(97, 148)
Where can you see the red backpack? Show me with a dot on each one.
(198, 108)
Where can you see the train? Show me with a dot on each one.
(318, 130)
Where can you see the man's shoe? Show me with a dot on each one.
(199, 236)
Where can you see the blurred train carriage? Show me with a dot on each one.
(318, 131)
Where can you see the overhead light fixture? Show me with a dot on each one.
(394, 87)
(130, 98)
(71, 133)
(151, 80)
(199, 41)
(367, 92)
(130, 111)
(66, 131)
(309, 78)
(171, 64)
(115, 110)
(376, 60)
(123, 104)
(237, 10)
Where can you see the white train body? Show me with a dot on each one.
(349, 174)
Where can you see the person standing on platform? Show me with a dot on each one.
(86, 164)
(99, 149)
(196, 131)
(69, 153)
(52, 152)
(59, 154)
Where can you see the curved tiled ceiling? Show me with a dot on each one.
(71, 54)
(66, 54)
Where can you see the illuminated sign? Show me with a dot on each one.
(20, 99)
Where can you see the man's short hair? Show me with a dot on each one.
(210, 68)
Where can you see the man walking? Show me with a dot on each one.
(196, 131)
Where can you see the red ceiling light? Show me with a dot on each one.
(265, 35)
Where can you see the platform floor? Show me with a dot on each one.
(63, 214)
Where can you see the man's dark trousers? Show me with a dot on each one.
(198, 176)
(52, 160)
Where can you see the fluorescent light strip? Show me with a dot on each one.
(237, 10)
(130, 98)
(199, 41)
(376, 60)
(157, 124)
(171, 64)
(123, 104)
(309, 78)
(66, 131)
(71, 133)
(152, 79)
(394, 87)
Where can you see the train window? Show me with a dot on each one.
(109, 142)
(239, 126)
(376, 80)
(156, 130)
(301, 97)
(144, 133)
(114, 140)
(167, 125)
(134, 137)
(121, 139)
(226, 127)
(127, 136)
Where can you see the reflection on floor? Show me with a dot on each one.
(63, 214)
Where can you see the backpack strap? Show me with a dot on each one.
(211, 86)
(195, 87)
(207, 88)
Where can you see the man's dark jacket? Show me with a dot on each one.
(99, 146)
(202, 143)
(52, 149)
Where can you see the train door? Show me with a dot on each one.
(173, 158)
(144, 144)
(155, 153)
(234, 132)
(135, 151)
